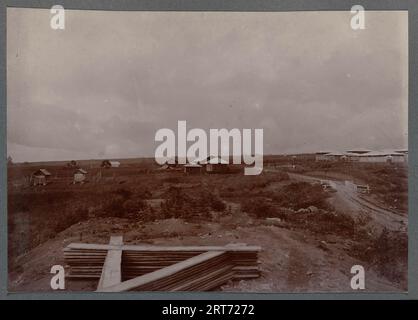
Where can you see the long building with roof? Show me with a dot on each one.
(363, 155)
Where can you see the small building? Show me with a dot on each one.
(163, 167)
(405, 154)
(377, 157)
(335, 156)
(192, 168)
(166, 167)
(395, 157)
(322, 155)
(354, 155)
(110, 164)
(40, 177)
(215, 165)
(79, 176)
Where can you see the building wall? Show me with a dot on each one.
(216, 168)
(321, 157)
(373, 159)
(192, 170)
(79, 177)
(39, 180)
(335, 158)
(398, 159)
(382, 159)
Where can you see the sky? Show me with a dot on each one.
(102, 87)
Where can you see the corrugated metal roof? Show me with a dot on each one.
(376, 154)
(217, 161)
(212, 160)
(337, 153)
(192, 165)
(45, 172)
(359, 150)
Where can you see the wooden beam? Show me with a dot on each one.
(112, 267)
(164, 273)
(229, 248)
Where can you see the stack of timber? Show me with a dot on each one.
(156, 268)
(84, 264)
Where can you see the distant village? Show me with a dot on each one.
(217, 165)
(364, 155)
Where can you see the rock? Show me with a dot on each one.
(323, 245)
(313, 209)
(303, 211)
(274, 222)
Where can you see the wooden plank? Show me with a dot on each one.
(198, 249)
(152, 265)
(186, 275)
(210, 281)
(112, 267)
(163, 273)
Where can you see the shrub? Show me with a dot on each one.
(113, 208)
(217, 204)
(259, 207)
(388, 253)
(133, 206)
(299, 195)
(126, 194)
(172, 180)
(67, 220)
(180, 204)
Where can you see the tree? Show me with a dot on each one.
(72, 164)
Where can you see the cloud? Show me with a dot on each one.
(103, 86)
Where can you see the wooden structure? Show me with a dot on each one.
(110, 164)
(363, 188)
(192, 168)
(79, 176)
(122, 267)
(214, 164)
(40, 177)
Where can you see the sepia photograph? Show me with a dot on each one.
(256, 152)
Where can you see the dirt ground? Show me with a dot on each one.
(303, 250)
(290, 261)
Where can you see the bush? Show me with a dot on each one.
(113, 208)
(126, 194)
(134, 206)
(181, 204)
(210, 200)
(172, 180)
(259, 207)
(386, 247)
(388, 253)
(299, 195)
(76, 216)
(217, 204)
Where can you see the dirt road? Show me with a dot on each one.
(346, 198)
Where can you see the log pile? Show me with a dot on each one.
(157, 268)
